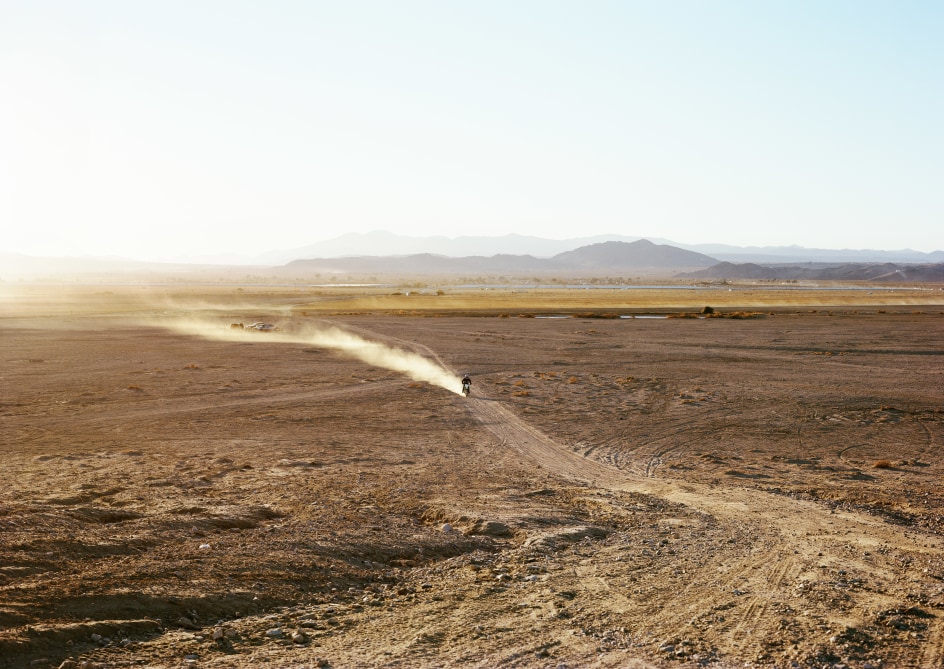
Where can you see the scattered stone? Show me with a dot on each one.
(299, 637)
(275, 632)
(96, 637)
(447, 528)
(218, 633)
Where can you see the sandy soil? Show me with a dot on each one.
(616, 493)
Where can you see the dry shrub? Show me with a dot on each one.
(595, 314)
(883, 464)
(192, 366)
(519, 383)
(682, 314)
(521, 393)
(572, 380)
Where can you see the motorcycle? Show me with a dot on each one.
(466, 389)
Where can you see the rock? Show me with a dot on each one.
(218, 633)
(568, 535)
(490, 528)
(274, 633)
(96, 637)
(186, 623)
(447, 528)
(299, 637)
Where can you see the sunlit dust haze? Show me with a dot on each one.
(373, 353)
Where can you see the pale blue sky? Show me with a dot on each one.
(167, 128)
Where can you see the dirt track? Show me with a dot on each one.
(633, 492)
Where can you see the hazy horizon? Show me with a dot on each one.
(263, 252)
(158, 131)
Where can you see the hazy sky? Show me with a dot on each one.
(154, 129)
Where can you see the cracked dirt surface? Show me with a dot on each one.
(616, 493)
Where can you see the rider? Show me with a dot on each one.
(466, 383)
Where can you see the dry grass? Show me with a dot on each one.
(883, 464)
(414, 298)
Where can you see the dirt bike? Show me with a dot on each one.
(466, 389)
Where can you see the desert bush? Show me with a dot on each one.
(708, 310)
(595, 314)
(519, 383)
(521, 393)
(882, 464)
(572, 380)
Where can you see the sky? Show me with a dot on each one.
(165, 129)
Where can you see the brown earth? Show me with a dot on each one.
(758, 491)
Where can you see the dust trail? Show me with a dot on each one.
(373, 353)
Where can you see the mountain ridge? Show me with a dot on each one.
(380, 243)
(612, 256)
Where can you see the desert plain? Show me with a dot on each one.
(632, 483)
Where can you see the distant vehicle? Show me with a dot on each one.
(261, 327)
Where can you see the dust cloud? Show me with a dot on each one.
(347, 343)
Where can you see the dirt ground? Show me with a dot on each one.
(634, 492)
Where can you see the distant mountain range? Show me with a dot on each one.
(383, 253)
(381, 243)
(641, 256)
(878, 272)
